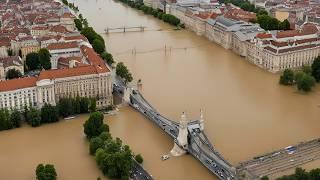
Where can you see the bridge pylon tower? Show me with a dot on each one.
(201, 120)
(181, 143)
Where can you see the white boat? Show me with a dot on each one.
(70, 117)
(165, 157)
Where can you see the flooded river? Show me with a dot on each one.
(246, 112)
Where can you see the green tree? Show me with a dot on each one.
(139, 158)
(314, 174)
(49, 114)
(105, 135)
(123, 72)
(5, 122)
(107, 57)
(34, 117)
(44, 58)
(91, 34)
(93, 105)
(305, 82)
(316, 69)
(78, 24)
(46, 172)
(98, 46)
(65, 107)
(287, 78)
(32, 61)
(76, 105)
(95, 143)
(13, 73)
(262, 12)
(92, 127)
(307, 69)
(284, 25)
(84, 104)
(15, 118)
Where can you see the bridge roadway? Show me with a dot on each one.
(199, 145)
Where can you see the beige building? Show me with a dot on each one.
(284, 50)
(86, 81)
(39, 30)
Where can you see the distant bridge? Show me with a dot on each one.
(125, 29)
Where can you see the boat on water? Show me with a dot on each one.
(70, 117)
(165, 157)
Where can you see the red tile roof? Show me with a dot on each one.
(289, 33)
(79, 37)
(20, 83)
(59, 29)
(263, 35)
(239, 14)
(94, 58)
(62, 73)
(63, 45)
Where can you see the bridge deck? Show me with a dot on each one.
(281, 160)
(199, 145)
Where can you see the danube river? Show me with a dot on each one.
(246, 112)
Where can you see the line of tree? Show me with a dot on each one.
(113, 157)
(305, 79)
(123, 72)
(95, 39)
(46, 172)
(168, 18)
(98, 44)
(48, 113)
(38, 60)
(70, 106)
(81, 22)
(300, 174)
(70, 5)
(270, 23)
(10, 120)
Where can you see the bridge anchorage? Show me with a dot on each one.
(125, 29)
(189, 136)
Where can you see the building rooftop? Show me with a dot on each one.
(63, 45)
(63, 73)
(19, 83)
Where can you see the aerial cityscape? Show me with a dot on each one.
(160, 89)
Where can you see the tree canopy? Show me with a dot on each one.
(78, 24)
(46, 172)
(301, 174)
(98, 46)
(107, 57)
(123, 72)
(32, 61)
(13, 73)
(316, 69)
(44, 58)
(93, 127)
(287, 78)
(305, 82)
